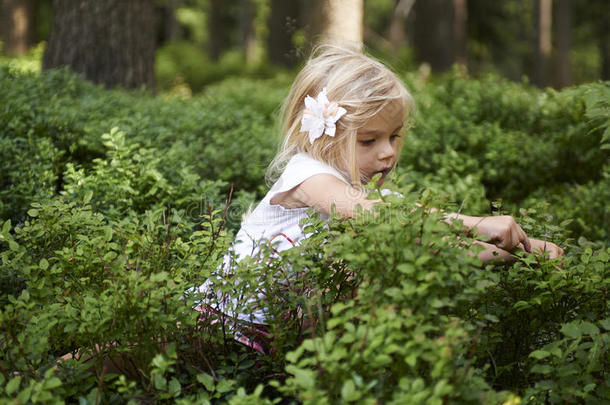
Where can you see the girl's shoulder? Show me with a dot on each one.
(299, 168)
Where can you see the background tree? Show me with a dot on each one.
(460, 16)
(283, 22)
(335, 21)
(223, 21)
(17, 25)
(440, 29)
(600, 15)
(563, 43)
(202, 41)
(168, 26)
(543, 17)
(248, 33)
(111, 42)
(397, 35)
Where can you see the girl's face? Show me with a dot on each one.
(377, 143)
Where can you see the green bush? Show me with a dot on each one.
(522, 138)
(114, 204)
(45, 140)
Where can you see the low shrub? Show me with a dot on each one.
(115, 204)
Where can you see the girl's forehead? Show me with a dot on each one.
(387, 120)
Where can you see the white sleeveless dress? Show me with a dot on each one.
(275, 225)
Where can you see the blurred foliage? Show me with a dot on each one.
(500, 38)
(30, 62)
(182, 65)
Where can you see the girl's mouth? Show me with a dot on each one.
(384, 172)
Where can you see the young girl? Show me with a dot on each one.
(343, 123)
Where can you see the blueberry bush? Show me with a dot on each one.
(115, 204)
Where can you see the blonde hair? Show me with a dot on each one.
(356, 82)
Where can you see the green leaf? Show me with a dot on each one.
(13, 245)
(33, 212)
(521, 305)
(52, 382)
(174, 387)
(109, 256)
(224, 385)
(569, 369)
(588, 387)
(422, 260)
(588, 328)
(491, 318)
(539, 354)
(25, 295)
(605, 323)
(542, 369)
(87, 197)
(571, 330)
(6, 227)
(207, 381)
(606, 135)
(13, 385)
(44, 264)
(411, 359)
(303, 378)
(348, 391)
(159, 381)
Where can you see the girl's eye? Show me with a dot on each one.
(394, 137)
(367, 142)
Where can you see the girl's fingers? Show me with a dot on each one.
(542, 247)
(526, 242)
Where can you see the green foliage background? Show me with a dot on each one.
(114, 204)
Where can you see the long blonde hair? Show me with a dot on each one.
(356, 82)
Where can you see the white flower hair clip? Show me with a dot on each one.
(320, 116)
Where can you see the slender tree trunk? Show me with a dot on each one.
(282, 24)
(248, 35)
(460, 17)
(563, 41)
(543, 22)
(434, 30)
(397, 33)
(111, 42)
(16, 25)
(604, 41)
(215, 44)
(169, 26)
(604, 45)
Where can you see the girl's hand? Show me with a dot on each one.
(491, 254)
(502, 231)
(542, 247)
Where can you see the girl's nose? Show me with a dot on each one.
(387, 151)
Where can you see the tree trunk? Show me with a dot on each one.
(338, 22)
(111, 42)
(282, 24)
(215, 44)
(460, 16)
(563, 40)
(16, 25)
(434, 33)
(542, 50)
(604, 46)
(169, 27)
(248, 35)
(397, 34)
(604, 41)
